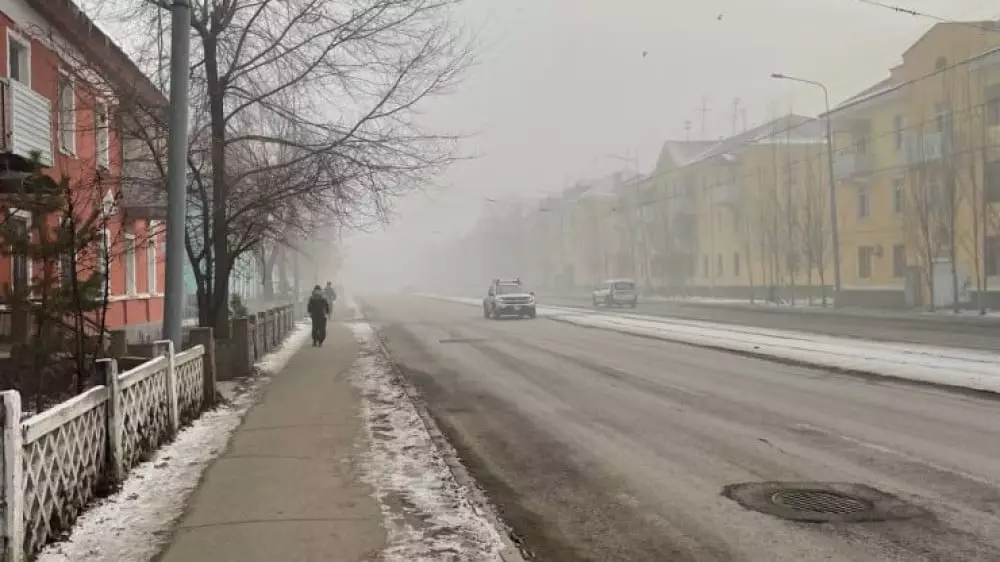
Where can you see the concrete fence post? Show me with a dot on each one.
(117, 344)
(109, 368)
(166, 347)
(260, 336)
(206, 337)
(13, 477)
(243, 346)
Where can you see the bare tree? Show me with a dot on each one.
(926, 221)
(305, 104)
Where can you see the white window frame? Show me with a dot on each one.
(26, 215)
(102, 135)
(151, 269)
(71, 112)
(898, 185)
(130, 266)
(864, 203)
(23, 42)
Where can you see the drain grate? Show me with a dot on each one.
(821, 502)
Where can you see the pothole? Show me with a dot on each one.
(821, 502)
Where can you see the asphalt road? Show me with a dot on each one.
(601, 446)
(966, 331)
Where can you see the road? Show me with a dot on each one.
(600, 446)
(966, 331)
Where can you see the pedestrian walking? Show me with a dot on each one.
(330, 293)
(319, 309)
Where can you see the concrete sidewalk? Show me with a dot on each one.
(287, 487)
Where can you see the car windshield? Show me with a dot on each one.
(624, 286)
(509, 289)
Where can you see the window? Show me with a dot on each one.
(151, 273)
(940, 63)
(67, 115)
(104, 262)
(898, 196)
(865, 254)
(993, 105)
(736, 264)
(992, 191)
(20, 269)
(66, 270)
(704, 266)
(864, 203)
(102, 140)
(898, 261)
(130, 288)
(993, 256)
(861, 143)
(898, 126)
(718, 266)
(18, 59)
(941, 118)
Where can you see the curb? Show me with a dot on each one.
(473, 494)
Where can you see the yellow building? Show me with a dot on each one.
(918, 224)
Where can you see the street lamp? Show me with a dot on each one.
(833, 184)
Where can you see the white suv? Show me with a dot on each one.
(616, 292)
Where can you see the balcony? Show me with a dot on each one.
(851, 165)
(26, 122)
(923, 148)
(726, 194)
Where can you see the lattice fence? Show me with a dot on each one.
(145, 410)
(64, 467)
(65, 457)
(190, 367)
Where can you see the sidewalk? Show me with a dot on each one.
(287, 486)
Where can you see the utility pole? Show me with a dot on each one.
(704, 111)
(736, 113)
(180, 53)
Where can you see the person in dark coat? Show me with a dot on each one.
(319, 309)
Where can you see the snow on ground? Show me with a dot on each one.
(133, 524)
(426, 513)
(938, 365)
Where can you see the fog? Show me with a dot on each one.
(569, 90)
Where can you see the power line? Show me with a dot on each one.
(940, 19)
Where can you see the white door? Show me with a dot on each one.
(944, 294)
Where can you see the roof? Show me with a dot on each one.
(985, 25)
(871, 93)
(790, 128)
(98, 47)
(682, 153)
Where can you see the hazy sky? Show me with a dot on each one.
(561, 84)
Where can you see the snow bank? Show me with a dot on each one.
(133, 524)
(938, 365)
(426, 513)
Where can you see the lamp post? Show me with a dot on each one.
(833, 184)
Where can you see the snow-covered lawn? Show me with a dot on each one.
(132, 524)
(939, 365)
(427, 514)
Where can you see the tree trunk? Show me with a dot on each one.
(220, 191)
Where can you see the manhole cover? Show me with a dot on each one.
(461, 340)
(820, 502)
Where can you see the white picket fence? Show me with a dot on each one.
(55, 463)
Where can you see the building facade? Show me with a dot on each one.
(49, 112)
